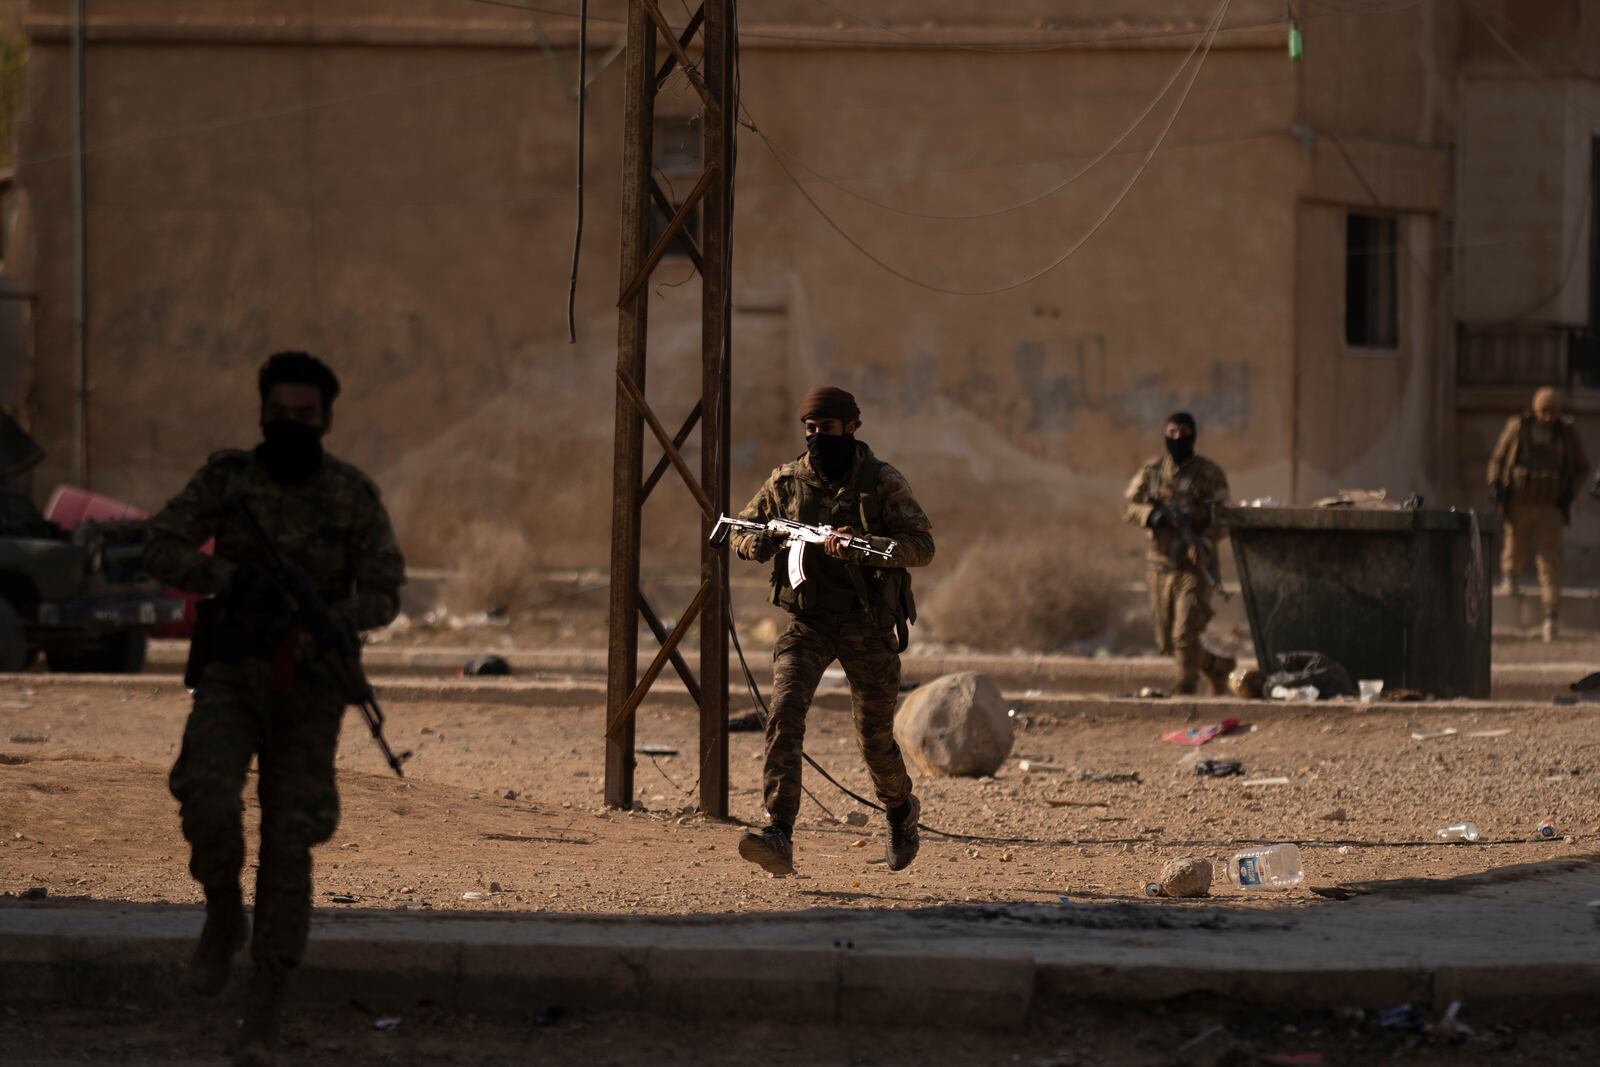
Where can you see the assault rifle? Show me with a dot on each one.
(341, 653)
(798, 535)
(1204, 557)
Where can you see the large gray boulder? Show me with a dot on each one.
(955, 726)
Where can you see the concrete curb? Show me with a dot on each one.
(523, 693)
(971, 967)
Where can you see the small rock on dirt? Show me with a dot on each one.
(1186, 877)
(1336, 815)
(855, 818)
(955, 726)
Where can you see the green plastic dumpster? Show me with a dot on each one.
(1399, 595)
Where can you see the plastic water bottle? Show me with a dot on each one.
(1459, 831)
(1273, 867)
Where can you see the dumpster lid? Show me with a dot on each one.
(1367, 520)
(18, 451)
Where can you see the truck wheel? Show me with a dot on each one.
(121, 653)
(13, 641)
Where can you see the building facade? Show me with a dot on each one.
(1351, 265)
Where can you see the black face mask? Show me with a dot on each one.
(831, 454)
(1180, 448)
(290, 451)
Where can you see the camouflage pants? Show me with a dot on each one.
(804, 650)
(1180, 609)
(294, 732)
(1534, 529)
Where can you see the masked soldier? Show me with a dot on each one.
(261, 688)
(845, 608)
(1172, 493)
(1534, 473)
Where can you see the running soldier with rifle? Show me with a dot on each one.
(848, 595)
(1173, 497)
(305, 560)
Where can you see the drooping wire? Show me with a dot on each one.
(1211, 34)
(1046, 194)
(583, 101)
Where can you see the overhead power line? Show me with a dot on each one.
(1211, 34)
(1046, 194)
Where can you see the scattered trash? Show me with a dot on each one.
(1274, 866)
(1027, 766)
(1547, 827)
(1345, 850)
(28, 739)
(1336, 815)
(1066, 901)
(1213, 1048)
(858, 843)
(486, 667)
(478, 894)
(1300, 694)
(656, 750)
(1219, 768)
(1450, 1026)
(1247, 683)
(1404, 696)
(1150, 693)
(1188, 876)
(509, 794)
(343, 898)
(387, 1022)
(1302, 670)
(1280, 780)
(1448, 731)
(855, 818)
(748, 723)
(1111, 776)
(37, 892)
(1400, 1017)
(1370, 688)
(1489, 733)
(1459, 831)
(1199, 735)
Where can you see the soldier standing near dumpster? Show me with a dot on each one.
(1534, 474)
(1173, 497)
(844, 610)
(261, 687)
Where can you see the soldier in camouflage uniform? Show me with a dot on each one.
(1537, 467)
(259, 688)
(856, 618)
(1180, 593)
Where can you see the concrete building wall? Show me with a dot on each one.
(406, 209)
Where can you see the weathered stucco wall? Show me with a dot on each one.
(406, 210)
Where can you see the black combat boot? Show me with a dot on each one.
(258, 1038)
(220, 941)
(1217, 671)
(772, 849)
(904, 838)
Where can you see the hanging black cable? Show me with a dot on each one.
(583, 101)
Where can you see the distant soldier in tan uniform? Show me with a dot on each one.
(1534, 474)
(260, 689)
(856, 618)
(1181, 488)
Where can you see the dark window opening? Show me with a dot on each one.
(677, 158)
(1371, 282)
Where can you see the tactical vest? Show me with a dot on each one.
(830, 587)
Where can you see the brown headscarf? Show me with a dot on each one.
(829, 402)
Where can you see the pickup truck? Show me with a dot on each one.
(79, 597)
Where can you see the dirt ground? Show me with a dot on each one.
(344, 1035)
(507, 801)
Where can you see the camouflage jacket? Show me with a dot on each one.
(1534, 464)
(1195, 489)
(901, 518)
(333, 527)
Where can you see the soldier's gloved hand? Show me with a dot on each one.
(256, 593)
(762, 546)
(1158, 517)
